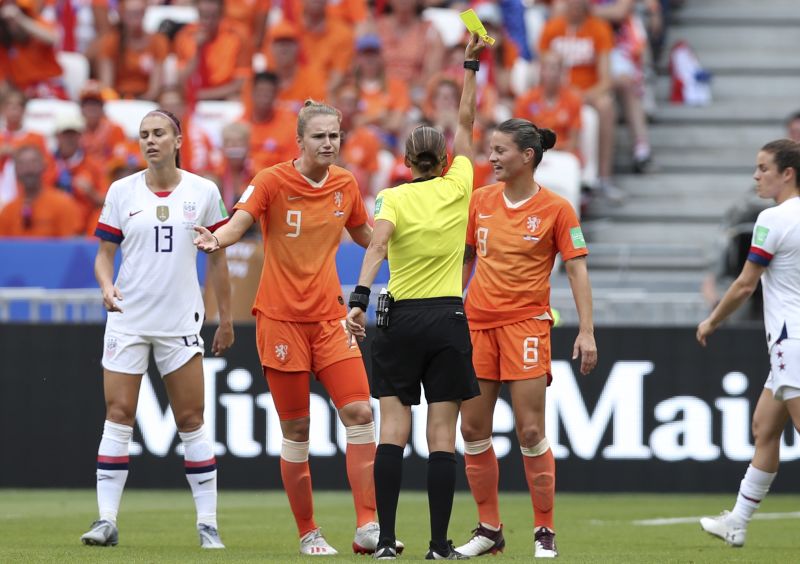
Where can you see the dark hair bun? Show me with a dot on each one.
(548, 138)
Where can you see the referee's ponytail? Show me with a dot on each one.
(527, 136)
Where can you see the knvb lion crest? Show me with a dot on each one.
(189, 211)
(533, 223)
(282, 352)
(162, 213)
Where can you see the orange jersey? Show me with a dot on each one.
(563, 117)
(579, 48)
(27, 63)
(51, 214)
(102, 142)
(273, 141)
(309, 81)
(133, 66)
(515, 250)
(332, 49)
(301, 226)
(376, 99)
(222, 59)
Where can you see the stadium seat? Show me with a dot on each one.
(212, 115)
(41, 115)
(560, 172)
(154, 15)
(447, 23)
(589, 144)
(128, 114)
(75, 67)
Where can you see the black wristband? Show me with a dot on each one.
(472, 64)
(359, 298)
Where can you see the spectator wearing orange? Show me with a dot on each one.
(39, 210)
(385, 99)
(298, 78)
(584, 43)
(553, 104)
(412, 48)
(351, 12)
(197, 153)
(272, 127)
(12, 137)
(360, 143)
(328, 40)
(126, 159)
(101, 135)
(27, 52)
(131, 60)
(212, 60)
(236, 168)
(75, 172)
(248, 19)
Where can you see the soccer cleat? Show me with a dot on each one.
(209, 536)
(483, 541)
(314, 544)
(451, 554)
(725, 527)
(366, 539)
(102, 533)
(544, 543)
(385, 553)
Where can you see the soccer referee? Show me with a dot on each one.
(425, 337)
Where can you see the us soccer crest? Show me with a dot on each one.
(162, 213)
(533, 223)
(189, 211)
(111, 347)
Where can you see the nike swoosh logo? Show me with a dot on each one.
(101, 477)
(529, 367)
(131, 214)
(204, 482)
(293, 197)
(482, 216)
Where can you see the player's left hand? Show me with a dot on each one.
(587, 349)
(356, 323)
(223, 338)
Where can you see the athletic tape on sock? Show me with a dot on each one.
(537, 450)
(360, 434)
(294, 451)
(477, 447)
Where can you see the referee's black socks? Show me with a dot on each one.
(441, 488)
(388, 476)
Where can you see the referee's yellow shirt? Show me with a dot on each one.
(426, 250)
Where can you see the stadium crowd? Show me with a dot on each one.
(388, 65)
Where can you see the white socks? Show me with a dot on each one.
(753, 489)
(201, 473)
(112, 468)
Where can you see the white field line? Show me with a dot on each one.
(685, 520)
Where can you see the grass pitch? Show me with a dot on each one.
(158, 526)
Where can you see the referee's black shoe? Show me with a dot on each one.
(450, 554)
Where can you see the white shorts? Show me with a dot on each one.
(784, 374)
(130, 354)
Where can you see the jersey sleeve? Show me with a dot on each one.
(215, 213)
(460, 174)
(385, 207)
(568, 236)
(766, 237)
(473, 205)
(358, 215)
(255, 199)
(109, 224)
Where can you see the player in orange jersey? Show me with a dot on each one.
(303, 206)
(515, 230)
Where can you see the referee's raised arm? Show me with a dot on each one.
(462, 143)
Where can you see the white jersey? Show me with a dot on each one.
(158, 275)
(776, 245)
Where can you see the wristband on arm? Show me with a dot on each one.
(359, 298)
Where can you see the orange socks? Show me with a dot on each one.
(483, 475)
(296, 478)
(540, 472)
(360, 463)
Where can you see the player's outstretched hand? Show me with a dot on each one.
(586, 348)
(704, 331)
(356, 323)
(205, 240)
(112, 295)
(223, 338)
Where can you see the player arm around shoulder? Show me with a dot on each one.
(585, 347)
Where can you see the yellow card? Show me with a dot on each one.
(474, 25)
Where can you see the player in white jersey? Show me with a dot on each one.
(155, 303)
(775, 259)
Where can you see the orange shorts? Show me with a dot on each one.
(303, 347)
(345, 382)
(518, 351)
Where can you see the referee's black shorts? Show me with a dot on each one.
(427, 342)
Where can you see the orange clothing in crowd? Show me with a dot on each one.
(241, 15)
(273, 141)
(13, 140)
(376, 101)
(517, 248)
(405, 50)
(27, 64)
(349, 11)
(563, 117)
(222, 59)
(579, 49)
(133, 67)
(308, 82)
(333, 49)
(302, 227)
(101, 143)
(359, 151)
(82, 173)
(51, 214)
(197, 153)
